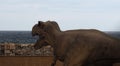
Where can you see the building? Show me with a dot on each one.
(9, 49)
(12, 49)
(1, 49)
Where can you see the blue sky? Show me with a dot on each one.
(69, 14)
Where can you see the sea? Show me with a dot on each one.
(18, 37)
(25, 37)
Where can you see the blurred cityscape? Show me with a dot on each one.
(12, 49)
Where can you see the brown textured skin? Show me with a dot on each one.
(78, 47)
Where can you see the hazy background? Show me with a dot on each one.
(70, 14)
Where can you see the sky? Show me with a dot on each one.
(103, 15)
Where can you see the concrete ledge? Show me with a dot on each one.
(26, 61)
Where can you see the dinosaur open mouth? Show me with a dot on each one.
(35, 34)
(39, 36)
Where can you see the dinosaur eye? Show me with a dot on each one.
(36, 33)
